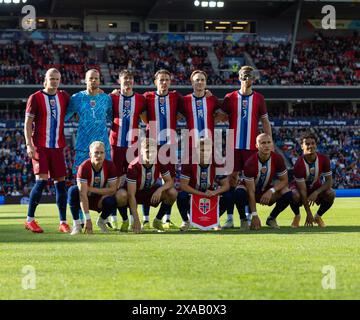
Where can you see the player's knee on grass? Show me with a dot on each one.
(121, 197)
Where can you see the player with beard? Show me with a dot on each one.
(93, 109)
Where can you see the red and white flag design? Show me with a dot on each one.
(204, 212)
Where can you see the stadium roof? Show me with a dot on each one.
(180, 9)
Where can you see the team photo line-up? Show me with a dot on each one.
(131, 166)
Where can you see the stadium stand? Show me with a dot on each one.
(317, 61)
(26, 63)
(339, 65)
(144, 58)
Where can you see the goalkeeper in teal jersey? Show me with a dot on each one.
(94, 110)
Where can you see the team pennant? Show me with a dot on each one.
(204, 212)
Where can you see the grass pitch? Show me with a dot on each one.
(267, 264)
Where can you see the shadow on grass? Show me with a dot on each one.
(16, 234)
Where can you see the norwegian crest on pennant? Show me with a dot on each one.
(204, 205)
(204, 212)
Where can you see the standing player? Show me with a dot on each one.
(201, 179)
(259, 173)
(142, 188)
(308, 189)
(245, 108)
(200, 109)
(127, 110)
(46, 110)
(162, 108)
(95, 189)
(94, 109)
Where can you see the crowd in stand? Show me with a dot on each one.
(26, 63)
(317, 61)
(144, 58)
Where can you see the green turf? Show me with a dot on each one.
(267, 264)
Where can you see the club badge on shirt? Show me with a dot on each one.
(92, 103)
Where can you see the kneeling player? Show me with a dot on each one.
(308, 189)
(95, 189)
(142, 188)
(200, 178)
(259, 172)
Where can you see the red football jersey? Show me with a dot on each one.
(162, 110)
(97, 179)
(48, 112)
(263, 173)
(311, 172)
(144, 177)
(245, 113)
(199, 113)
(201, 178)
(126, 114)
